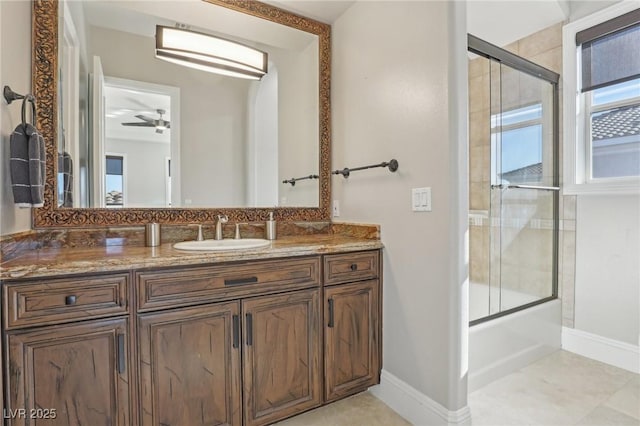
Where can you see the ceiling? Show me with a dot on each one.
(502, 22)
(326, 11)
(141, 18)
(499, 22)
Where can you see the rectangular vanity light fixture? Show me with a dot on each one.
(209, 53)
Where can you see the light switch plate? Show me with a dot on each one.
(421, 199)
(336, 208)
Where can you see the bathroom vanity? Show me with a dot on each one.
(95, 333)
(190, 338)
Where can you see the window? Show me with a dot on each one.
(114, 181)
(519, 150)
(602, 102)
(614, 130)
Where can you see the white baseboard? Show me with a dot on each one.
(609, 351)
(415, 406)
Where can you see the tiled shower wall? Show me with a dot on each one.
(524, 272)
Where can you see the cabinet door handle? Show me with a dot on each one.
(330, 324)
(249, 318)
(236, 331)
(354, 266)
(121, 358)
(70, 300)
(240, 281)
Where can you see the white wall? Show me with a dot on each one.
(15, 71)
(262, 147)
(145, 182)
(608, 266)
(298, 137)
(394, 95)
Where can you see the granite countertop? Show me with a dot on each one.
(48, 262)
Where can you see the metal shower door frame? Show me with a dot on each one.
(495, 53)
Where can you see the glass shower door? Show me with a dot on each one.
(523, 190)
(513, 182)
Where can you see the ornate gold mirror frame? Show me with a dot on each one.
(45, 87)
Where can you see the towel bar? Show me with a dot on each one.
(392, 165)
(293, 181)
(10, 95)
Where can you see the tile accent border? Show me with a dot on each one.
(610, 351)
(415, 406)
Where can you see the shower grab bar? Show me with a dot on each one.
(542, 188)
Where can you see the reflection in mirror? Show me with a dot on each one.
(136, 131)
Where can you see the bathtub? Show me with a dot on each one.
(503, 345)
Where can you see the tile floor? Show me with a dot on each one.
(362, 409)
(560, 389)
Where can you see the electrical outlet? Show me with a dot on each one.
(336, 208)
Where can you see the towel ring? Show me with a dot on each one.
(32, 101)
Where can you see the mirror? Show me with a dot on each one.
(229, 144)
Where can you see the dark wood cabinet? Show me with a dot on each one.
(190, 366)
(53, 301)
(281, 364)
(1, 382)
(190, 371)
(161, 289)
(237, 343)
(76, 374)
(349, 267)
(352, 338)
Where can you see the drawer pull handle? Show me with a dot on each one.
(236, 331)
(354, 266)
(121, 357)
(70, 300)
(330, 324)
(241, 281)
(249, 318)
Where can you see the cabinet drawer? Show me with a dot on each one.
(61, 300)
(342, 268)
(189, 286)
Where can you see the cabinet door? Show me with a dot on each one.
(352, 352)
(77, 373)
(190, 366)
(281, 362)
(1, 382)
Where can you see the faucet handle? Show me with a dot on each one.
(237, 237)
(200, 237)
(223, 218)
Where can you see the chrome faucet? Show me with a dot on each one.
(238, 236)
(200, 236)
(222, 219)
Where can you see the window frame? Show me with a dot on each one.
(123, 156)
(576, 174)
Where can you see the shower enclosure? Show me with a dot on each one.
(514, 185)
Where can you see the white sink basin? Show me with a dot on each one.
(222, 245)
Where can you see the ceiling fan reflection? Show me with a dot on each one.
(160, 124)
